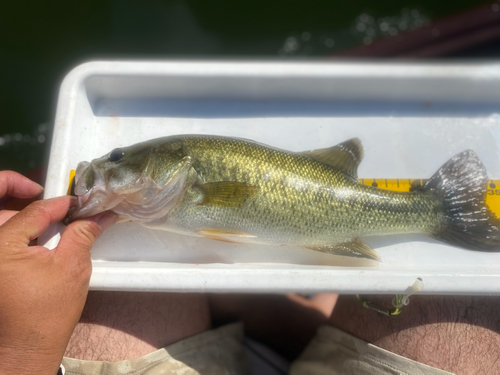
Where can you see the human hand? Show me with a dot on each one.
(14, 185)
(42, 292)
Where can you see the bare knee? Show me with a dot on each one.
(124, 325)
(454, 333)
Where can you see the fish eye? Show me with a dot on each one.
(116, 154)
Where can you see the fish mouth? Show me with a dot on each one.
(89, 186)
(81, 199)
(91, 203)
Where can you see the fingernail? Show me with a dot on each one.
(106, 220)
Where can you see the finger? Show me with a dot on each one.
(16, 185)
(34, 219)
(81, 234)
(6, 215)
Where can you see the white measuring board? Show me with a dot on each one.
(411, 118)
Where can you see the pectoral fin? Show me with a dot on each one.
(345, 156)
(224, 235)
(356, 249)
(226, 193)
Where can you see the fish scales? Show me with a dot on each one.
(299, 198)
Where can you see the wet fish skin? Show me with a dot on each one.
(300, 200)
(242, 191)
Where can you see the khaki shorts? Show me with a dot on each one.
(333, 351)
(219, 352)
(214, 352)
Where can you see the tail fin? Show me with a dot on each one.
(461, 185)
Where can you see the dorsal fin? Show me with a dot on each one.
(345, 156)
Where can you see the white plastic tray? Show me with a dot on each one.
(411, 119)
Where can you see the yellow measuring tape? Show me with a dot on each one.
(492, 195)
(71, 176)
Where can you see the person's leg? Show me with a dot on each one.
(460, 334)
(122, 325)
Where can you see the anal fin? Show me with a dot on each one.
(356, 249)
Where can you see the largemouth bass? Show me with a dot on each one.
(241, 191)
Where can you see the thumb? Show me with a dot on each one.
(81, 235)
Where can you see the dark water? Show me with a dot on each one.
(41, 41)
